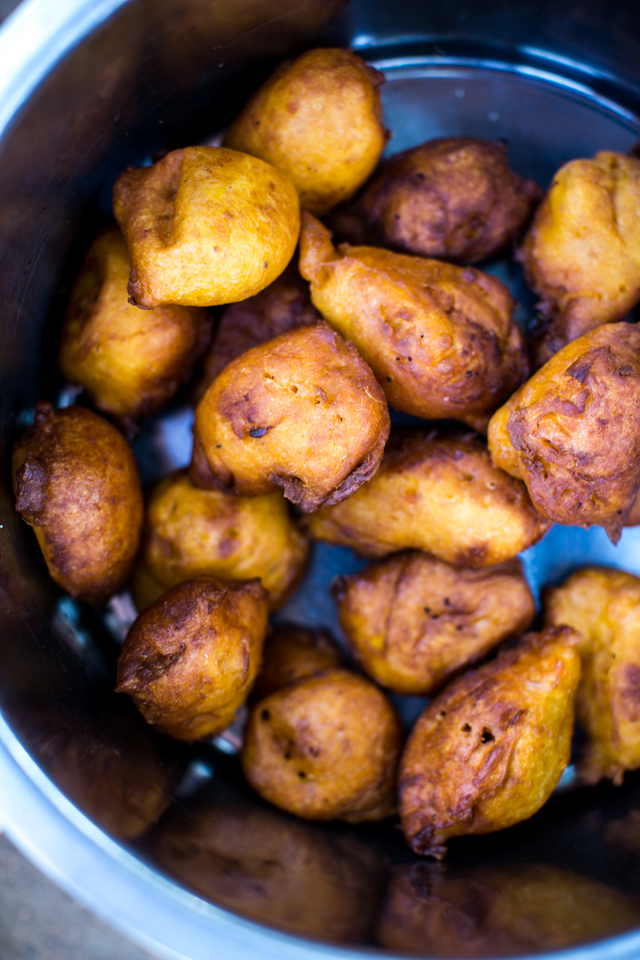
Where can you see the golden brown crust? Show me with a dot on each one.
(129, 361)
(440, 339)
(318, 119)
(582, 253)
(302, 413)
(489, 750)
(292, 653)
(325, 748)
(190, 659)
(204, 226)
(190, 532)
(282, 306)
(412, 622)
(455, 198)
(572, 432)
(76, 483)
(439, 494)
(603, 605)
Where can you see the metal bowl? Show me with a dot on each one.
(87, 87)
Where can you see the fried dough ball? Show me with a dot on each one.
(325, 748)
(265, 865)
(129, 361)
(489, 750)
(572, 432)
(292, 653)
(455, 198)
(190, 532)
(76, 483)
(205, 226)
(412, 621)
(284, 305)
(318, 119)
(436, 493)
(603, 605)
(582, 253)
(303, 413)
(440, 339)
(190, 659)
(492, 911)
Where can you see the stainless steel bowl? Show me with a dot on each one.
(86, 87)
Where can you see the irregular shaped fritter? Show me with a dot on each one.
(440, 339)
(436, 493)
(582, 253)
(129, 361)
(189, 532)
(489, 750)
(254, 860)
(190, 659)
(282, 306)
(205, 226)
(455, 198)
(76, 483)
(516, 909)
(303, 413)
(412, 622)
(318, 119)
(603, 605)
(325, 748)
(292, 653)
(572, 432)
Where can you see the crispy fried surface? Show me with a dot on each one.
(489, 750)
(412, 622)
(582, 253)
(603, 605)
(282, 306)
(491, 911)
(439, 494)
(257, 861)
(325, 748)
(440, 339)
(572, 432)
(292, 653)
(76, 483)
(318, 119)
(190, 659)
(189, 532)
(455, 198)
(302, 413)
(129, 361)
(205, 226)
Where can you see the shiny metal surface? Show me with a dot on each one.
(85, 88)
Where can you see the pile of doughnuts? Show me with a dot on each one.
(347, 287)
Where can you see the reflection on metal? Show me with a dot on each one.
(68, 395)
(230, 740)
(197, 773)
(33, 39)
(66, 623)
(119, 614)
